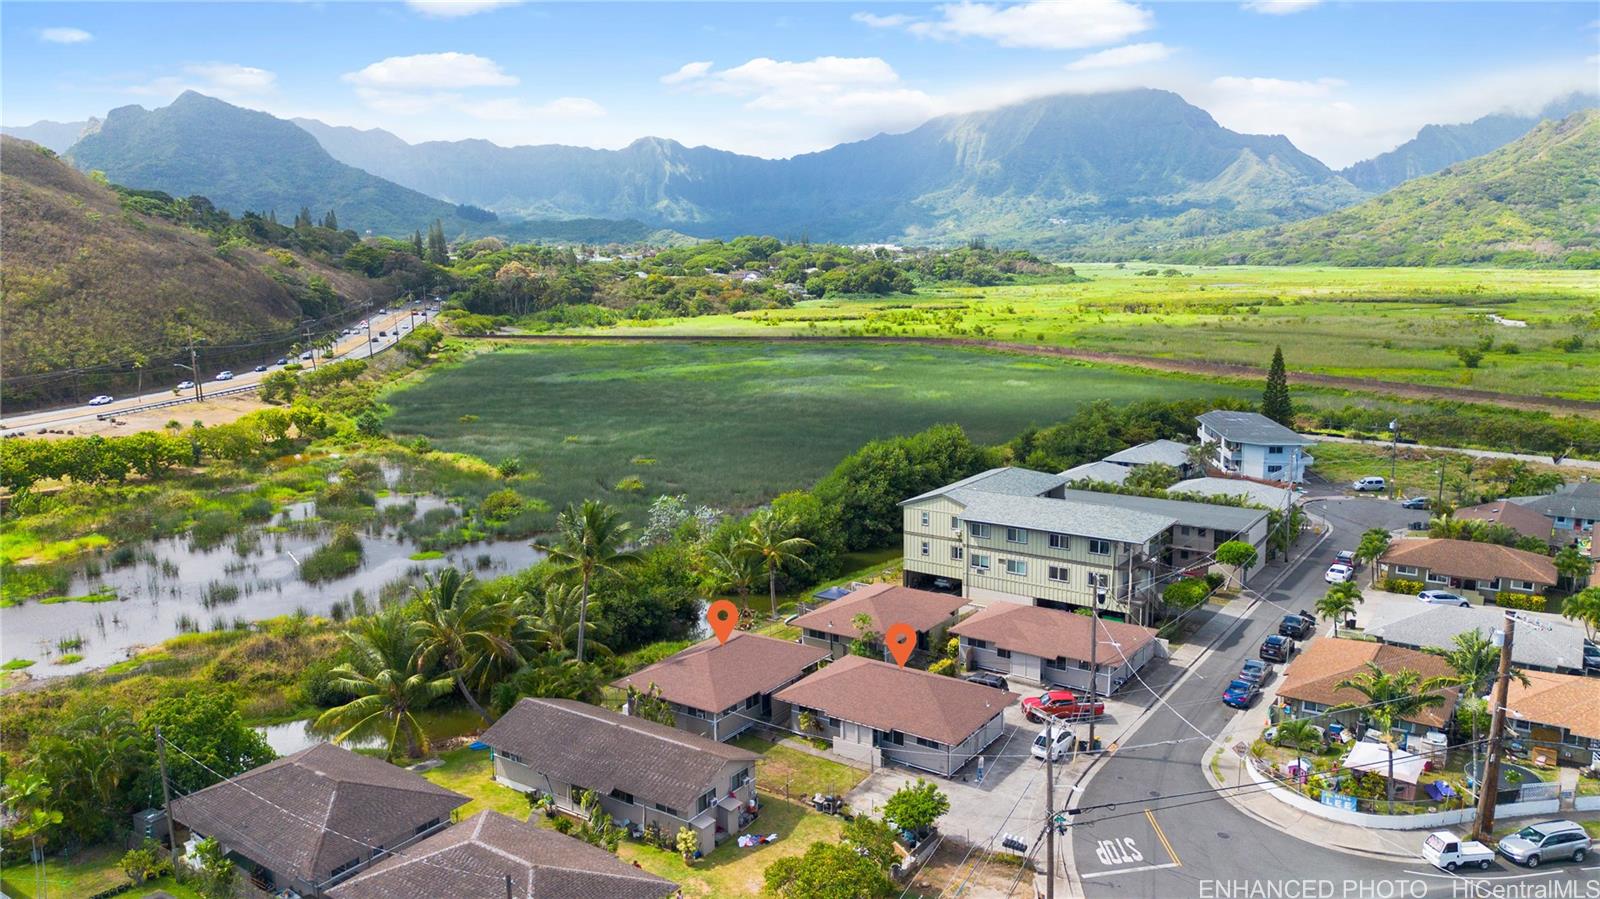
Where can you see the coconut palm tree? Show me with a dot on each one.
(1338, 602)
(732, 571)
(554, 622)
(472, 635)
(1584, 608)
(1297, 732)
(592, 539)
(770, 538)
(1391, 696)
(387, 690)
(1374, 543)
(1475, 660)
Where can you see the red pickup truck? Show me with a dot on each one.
(1061, 705)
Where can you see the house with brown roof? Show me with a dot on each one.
(718, 690)
(491, 856)
(877, 712)
(833, 628)
(313, 818)
(642, 772)
(1051, 646)
(1557, 712)
(1461, 566)
(1521, 519)
(1311, 688)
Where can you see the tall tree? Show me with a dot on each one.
(330, 221)
(1391, 697)
(770, 538)
(416, 244)
(466, 631)
(1584, 608)
(438, 247)
(1374, 543)
(591, 539)
(1339, 601)
(1573, 566)
(387, 691)
(1475, 660)
(1275, 402)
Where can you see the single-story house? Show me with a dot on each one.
(878, 712)
(1376, 758)
(473, 859)
(1310, 683)
(642, 772)
(1101, 472)
(1558, 646)
(1521, 519)
(1051, 646)
(315, 817)
(1559, 712)
(832, 627)
(1163, 452)
(1574, 507)
(718, 690)
(1462, 566)
(1254, 492)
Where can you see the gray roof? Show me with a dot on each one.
(1580, 500)
(578, 743)
(1167, 452)
(1064, 516)
(472, 860)
(1104, 472)
(1176, 511)
(1251, 427)
(1008, 481)
(1252, 491)
(310, 812)
(1559, 648)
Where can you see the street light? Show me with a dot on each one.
(1394, 452)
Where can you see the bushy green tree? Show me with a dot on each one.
(207, 739)
(828, 871)
(865, 490)
(916, 806)
(1275, 402)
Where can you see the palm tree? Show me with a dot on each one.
(1294, 731)
(592, 539)
(1573, 566)
(1390, 696)
(554, 622)
(731, 571)
(1584, 608)
(466, 631)
(1338, 602)
(770, 538)
(1374, 543)
(387, 692)
(1475, 660)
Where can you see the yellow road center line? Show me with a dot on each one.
(1162, 837)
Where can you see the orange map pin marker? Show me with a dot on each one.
(723, 616)
(902, 640)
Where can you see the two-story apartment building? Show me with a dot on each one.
(1574, 508)
(1251, 445)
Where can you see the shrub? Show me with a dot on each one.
(334, 559)
(1401, 585)
(944, 666)
(509, 467)
(501, 505)
(1520, 601)
(630, 484)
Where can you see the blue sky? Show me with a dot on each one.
(1344, 80)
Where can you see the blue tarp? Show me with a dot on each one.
(832, 593)
(1440, 790)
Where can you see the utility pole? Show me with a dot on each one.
(166, 799)
(1094, 664)
(306, 326)
(1050, 813)
(1489, 783)
(1394, 452)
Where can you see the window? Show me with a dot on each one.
(753, 701)
(1056, 664)
(1099, 579)
(931, 744)
(425, 827)
(980, 562)
(1060, 541)
(956, 553)
(706, 801)
(1434, 578)
(1199, 532)
(1100, 547)
(1274, 469)
(345, 868)
(509, 756)
(739, 779)
(892, 738)
(575, 794)
(1408, 570)
(1016, 535)
(1274, 451)
(1184, 530)
(927, 548)
(668, 809)
(978, 529)
(977, 644)
(1060, 573)
(622, 796)
(1016, 568)
(955, 523)
(926, 519)
(1003, 653)
(1526, 586)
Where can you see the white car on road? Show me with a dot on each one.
(1339, 573)
(1443, 598)
(101, 400)
(224, 375)
(1445, 850)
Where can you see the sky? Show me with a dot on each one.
(1343, 80)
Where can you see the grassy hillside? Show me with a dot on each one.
(1535, 201)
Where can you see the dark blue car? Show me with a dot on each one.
(1240, 694)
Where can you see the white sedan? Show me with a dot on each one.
(1339, 573)
(101, 400)
(224, 376)
(1443, 598)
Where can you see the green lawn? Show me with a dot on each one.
(733, 425)
(786, 771)
(87, 873)
(1416, 471)
(467, 771)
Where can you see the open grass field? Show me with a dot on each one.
(733, 425)
(1396, 324)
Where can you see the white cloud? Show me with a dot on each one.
(1126, 55)
(455, 9)
(431, 70)
(689, 71)
(64, 35)
(872, 20)
(1277, 87)
(1045, 24)
(1279, 7)
(223, 80)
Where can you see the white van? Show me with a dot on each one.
(1375, 484)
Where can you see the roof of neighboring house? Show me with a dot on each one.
(1105, 472)
(888, 604)
(1251, 427)
(1374, 758)
(888, 697)
(578, 743)
(1521, 519)
(1557, 700)
(1579, 500)
(1314, 676)
(1477, 561)
(1558, 646)
(307, 813)
(471, 860)
(1253, 491)
(1166, 452)
(714, 676)
(1051, 633)
(1085, 519)
(1008, 481)
(1184, 512)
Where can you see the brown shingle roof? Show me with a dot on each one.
(581, 744)
(1478, 561)
(307, 813)
(714, 676)
(1051, 633)
(889, 697)
(1324, 663)
(1521, 519)
(1558, 700)
(887, 604)
(472, 859)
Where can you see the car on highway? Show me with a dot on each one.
(375, 340)
(224, 375)
(1443, 598)
(306, 355)
(282, 360)
(184, 385)
(101, 400)
(1443, 849)
(1374, 484)
(1240, 694)
(1546, 841)
(1339, 573)
(1414, 502)
(1277, 648)
(988, 679)
(1255, 671)
(1297, 626)
(1055, 740)
(1061, 704)
(260, 368)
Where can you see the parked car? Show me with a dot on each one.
(1061, 704)
(1338, 573)
(1345, 557)
(1443, 598)
(1255, 671)
(1591, 656)
(261, 368)
(224, 375)
(1277, 648)
(988, 679)
(1297, 626)
(1374, 484)
(101, 400)
(1547, 841)
(1055, 740)
(1240, 693)
(1443, 849)
(1415, 502)
(185, 385)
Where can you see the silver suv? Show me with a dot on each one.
(1546, 841)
